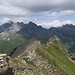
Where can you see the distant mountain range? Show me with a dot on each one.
(66, 33)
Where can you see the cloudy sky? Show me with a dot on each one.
(48, 13)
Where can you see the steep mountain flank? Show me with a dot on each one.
(66, 35)
(42, 59)
(9, 38)
(8, 42)
(31, 30)
(27, 46)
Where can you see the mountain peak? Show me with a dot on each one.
(53, 39)
(68, 25)
(31, 23)
(10, 22)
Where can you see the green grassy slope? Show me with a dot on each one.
(55, 56)
(7, 45)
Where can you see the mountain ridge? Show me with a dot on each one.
(46, 59)
(31, 30)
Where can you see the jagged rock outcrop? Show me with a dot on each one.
(6, 71)
(5, 67)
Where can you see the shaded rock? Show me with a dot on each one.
(9, 71)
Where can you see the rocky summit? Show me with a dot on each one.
(5, 68)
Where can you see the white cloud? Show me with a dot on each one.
(14, 19)
(4, 20)
(56, 23)
(12, 11)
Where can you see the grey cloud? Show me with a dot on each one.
(44, 5)
(23, 7)
(12, 11)
(20, 8)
